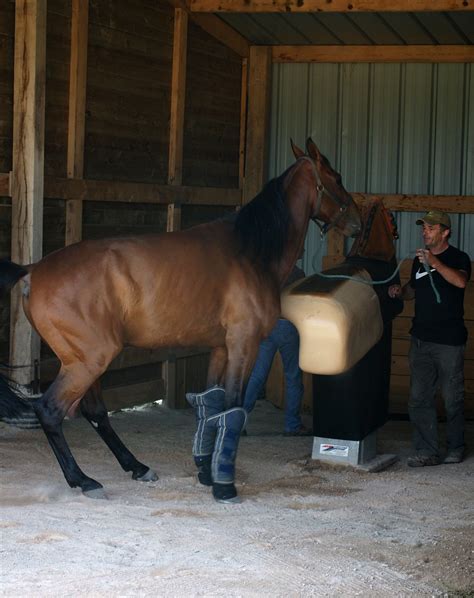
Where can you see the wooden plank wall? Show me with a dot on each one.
(128, 96)
(128, 91)
(212, 112)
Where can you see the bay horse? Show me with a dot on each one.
(374, 250)
(215, 285)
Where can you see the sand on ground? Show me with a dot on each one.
(303, 528)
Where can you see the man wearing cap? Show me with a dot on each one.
(438, 336)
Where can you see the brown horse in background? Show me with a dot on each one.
(378, 232)
(215, 285)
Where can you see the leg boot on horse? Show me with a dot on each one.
(228, 426)
(206, 404)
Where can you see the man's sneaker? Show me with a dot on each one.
(423, 460)
(454, 456)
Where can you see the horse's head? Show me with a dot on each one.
(379, 230)
(332, 205)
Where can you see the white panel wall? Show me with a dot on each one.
(388, 129)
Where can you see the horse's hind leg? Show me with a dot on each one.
(50, 410)
(93, 409)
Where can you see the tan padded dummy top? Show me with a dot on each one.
(338, 320)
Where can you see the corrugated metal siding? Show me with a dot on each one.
(354, 28)
(388, 128)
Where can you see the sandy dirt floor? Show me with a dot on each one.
(302, 529)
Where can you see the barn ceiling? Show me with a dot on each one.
(358, 28)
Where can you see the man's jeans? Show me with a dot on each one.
(284, 338)
(433, 365)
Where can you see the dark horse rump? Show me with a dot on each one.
(215, 285)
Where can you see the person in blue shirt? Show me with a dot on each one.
(284, 338)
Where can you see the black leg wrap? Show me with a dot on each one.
(224, 492)
(204, 469)
(206, 404)
(228, 425)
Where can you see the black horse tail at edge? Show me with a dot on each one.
(10, 274)
(15, 410)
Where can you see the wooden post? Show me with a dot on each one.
(169, 370)
(28, 169)
(175, 163)
(258, 120)
(77, 111)
(243, 121)
(335, 246)
(174, 217)
(170, 378)
(178, 94)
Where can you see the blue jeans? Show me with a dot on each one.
(433, 365)
(284, 338)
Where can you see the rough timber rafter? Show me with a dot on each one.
(217, 28)
(426, 54)
(253, 6)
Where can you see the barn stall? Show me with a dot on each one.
(155, 116)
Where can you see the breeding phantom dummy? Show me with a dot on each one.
(216, 285)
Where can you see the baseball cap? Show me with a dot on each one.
(435, 217)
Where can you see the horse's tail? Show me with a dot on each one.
(15, 410)
(10, 274)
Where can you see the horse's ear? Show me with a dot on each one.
(312, 149)
(296, 150)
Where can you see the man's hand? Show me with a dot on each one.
(406, 292)
(458, 278)
(394, 291)
(426, 257)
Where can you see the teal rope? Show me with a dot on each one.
(375, 282)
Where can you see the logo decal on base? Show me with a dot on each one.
(335, 450)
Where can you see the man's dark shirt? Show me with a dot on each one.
(443, 322)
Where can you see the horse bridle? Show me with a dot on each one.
(324, 227)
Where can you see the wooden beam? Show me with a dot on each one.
(127, 192)
(337, 54)
(28, 169)
(169, 368)
(455, 204)
(243, 121)
(288, 6)
(258, 120)
(173, 221)
(178, 95)
(5, 184)
(169, 373)
(335, 240)
(223, 33)
(217, 28)
(77, 112)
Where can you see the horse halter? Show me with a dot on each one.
(324, 227)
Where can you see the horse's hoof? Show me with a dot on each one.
(149, 476)
(205, 478)
(225, 493)
(96, 493)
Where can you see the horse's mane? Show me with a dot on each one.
(262, 225)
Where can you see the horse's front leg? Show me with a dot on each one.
(229, 423)
(93, 409)
(217, 366)
(220, 419)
